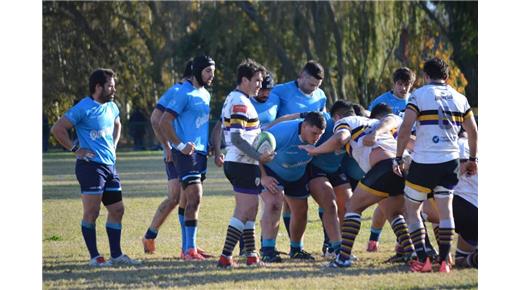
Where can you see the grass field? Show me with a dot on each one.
(142, 174)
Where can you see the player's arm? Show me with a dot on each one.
(268, 182)
(60, 133)
(410, 115)
(216, 140)
(155, 120)
(166, 127)
(470, 126)
(246, 148)
(282, 119)
(336, 142)
(386, 125)
(117, 131)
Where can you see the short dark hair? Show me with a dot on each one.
(268, 82)
(248, 68)
(100, 76)
(342, 108)
(380, 110)
(315, 119)
(359, 110)
(436, 69)
(187, 70)
(314, 69)
(405, 75)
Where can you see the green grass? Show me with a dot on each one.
(144, 184)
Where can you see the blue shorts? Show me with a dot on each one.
(97, 178)
(244, 177)
(295, 189)
(191, 169)
(171, 172)
(336, 179)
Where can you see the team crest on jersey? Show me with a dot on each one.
(239, 109)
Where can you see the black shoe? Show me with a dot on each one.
(301, 254)
(274, 258)
(324, 249)
(401, 258)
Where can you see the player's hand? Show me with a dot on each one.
(267, 157)
(370, 139)
(168, 153)
(219, 159)
(470, 167)
(84, 154)
(398, 166)
(271, 184)
(188, 149)
(311, 149)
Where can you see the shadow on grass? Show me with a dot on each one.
(167, 272)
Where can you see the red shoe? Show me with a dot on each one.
(373, 246)
(149, 246)
(254, 261)
(445, 267)
(423, 267)
(193, 255)
(226, 263)
(204, 253)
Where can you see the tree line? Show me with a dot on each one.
(148, 43)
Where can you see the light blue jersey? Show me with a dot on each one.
(329, 162)
(190, 106)
(266, 110)
(163, 102)
(167, 97)
(293, 100)
(94, 123)
(290, 161)
(397, 104)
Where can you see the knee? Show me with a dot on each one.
(170, 203)
(117, 211)
(91, 215)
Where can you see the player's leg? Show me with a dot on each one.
(361, 199)
(466, 225)
(164, 209)
(91, 183)
(113, 201)
(299, 208)
(378, 221)
(270, 222)
(393, 207)
(322, 191)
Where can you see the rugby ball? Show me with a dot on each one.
(264, 142)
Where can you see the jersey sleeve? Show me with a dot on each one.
(341, 125)
(178, 104)
(468, 113)
(75, 114)
(413, 105)
(240, 114)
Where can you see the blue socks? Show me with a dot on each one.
(114, 239)
(89, 235)
(191, 234)
(183, 229)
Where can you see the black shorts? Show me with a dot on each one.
(295, 189)
(244, 177)
(99, 179)
(191, 169)
(425, 177)
(171, 172)
(382, 181)
(466, 220)
(335, 178)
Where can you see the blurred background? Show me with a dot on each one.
(359, 44)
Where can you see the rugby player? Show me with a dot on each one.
(98, 126)
(189, 137)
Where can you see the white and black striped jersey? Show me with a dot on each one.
(239, 115)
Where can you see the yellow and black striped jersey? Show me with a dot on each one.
(440, 113)
(239, 115)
